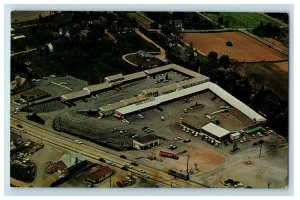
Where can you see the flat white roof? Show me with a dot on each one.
(18, 37)
(114, 77)
(215, 130)
(207, 85)
(98, 87)
(234, 102)
(236, 134)
(77, 94)
(163, 98)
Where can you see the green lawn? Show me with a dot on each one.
(241, 20)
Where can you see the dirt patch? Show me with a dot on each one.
(284, 66)
(140, 20)
(277, 44)
(245, 48)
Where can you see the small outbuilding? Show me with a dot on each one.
(215, 131)
(146, 142)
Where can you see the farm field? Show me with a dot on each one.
(140, 20)
(272, 75)
(241, 20)
(245, 48)
(22, 16)
(277, 43)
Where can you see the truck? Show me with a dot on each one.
(169, 155)
(182, 175)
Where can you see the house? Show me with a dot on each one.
(50, 47)
(178, 23)
(20, 84)
(99, 175)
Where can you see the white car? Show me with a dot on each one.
(77, 141)
(141, 170)
(129, 166)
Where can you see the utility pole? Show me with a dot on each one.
(187, 164)
(260, 151)
(269, 183)
(110, 179)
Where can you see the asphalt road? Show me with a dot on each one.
(93, 154)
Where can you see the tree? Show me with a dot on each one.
(213, 55)
(229, 43)
(221, 20)
(224, 61)
(226, 23)
(195, 19)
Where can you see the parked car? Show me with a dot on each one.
(225, 143)
(261, 141)
(228, 181)
(254, 143)
(186, 140)
(234, 150)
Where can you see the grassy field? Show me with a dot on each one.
(241, 20)
(271, 75)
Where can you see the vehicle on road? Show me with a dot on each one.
(134, 164)
(129, 166)
(124, 168)
(178, 174)
(77, 141)
(111, 163)
(237, 184)
(142, 170)
(122, 156)
(19, 126)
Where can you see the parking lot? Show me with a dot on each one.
(164, 121)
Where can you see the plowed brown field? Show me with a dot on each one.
(245, 48)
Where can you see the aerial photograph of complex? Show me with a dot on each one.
(140, 99)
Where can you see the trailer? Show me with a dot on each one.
(182, 175)
(169, 155)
